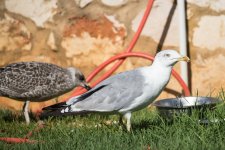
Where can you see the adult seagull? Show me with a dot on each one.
(38, 81)
(122, 93)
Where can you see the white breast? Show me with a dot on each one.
(155, 81)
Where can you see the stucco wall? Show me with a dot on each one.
(84, 33)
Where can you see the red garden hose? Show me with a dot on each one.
(131, 45)
(121, 60)
(26, 139)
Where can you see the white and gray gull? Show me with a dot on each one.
(37, 81)
(122, 93)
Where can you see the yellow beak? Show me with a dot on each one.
(184, 58)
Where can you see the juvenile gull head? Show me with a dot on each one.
(78, 78)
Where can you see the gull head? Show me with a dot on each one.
(78, 78)
(169, 58)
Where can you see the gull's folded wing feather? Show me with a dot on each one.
(116, 92)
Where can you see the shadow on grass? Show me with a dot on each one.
(144, 124)
(150, 124)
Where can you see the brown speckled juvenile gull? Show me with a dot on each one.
(37, 81)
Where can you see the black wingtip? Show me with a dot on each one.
(52, 110)
(55, 106)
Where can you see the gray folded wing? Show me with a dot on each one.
(112, 94)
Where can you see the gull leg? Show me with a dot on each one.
(128, 117)
(121, 120)
(26, 112)
(121, 124)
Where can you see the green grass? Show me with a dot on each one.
(100, 132)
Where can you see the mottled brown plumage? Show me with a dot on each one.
(37, 81)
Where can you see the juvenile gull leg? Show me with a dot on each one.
(127, 116)
(26, 112)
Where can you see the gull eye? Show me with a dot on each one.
(81, 78)
(167, 55)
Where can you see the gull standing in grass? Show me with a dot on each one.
(122, 93)
(37, 81)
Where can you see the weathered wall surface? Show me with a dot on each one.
(84, 33)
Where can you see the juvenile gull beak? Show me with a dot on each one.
(184, 58)
(86, 86)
